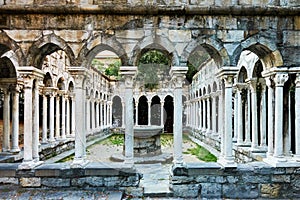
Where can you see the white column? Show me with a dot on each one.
(105, 113)
(214, 128)
(248, 128)
(97, 115)
(227, 158)
(93, 114)
(236, 116)
(297, 118)
(149, 112)
(6, 121)
(129, 74)
(51, 120)
(45, 128)
(73, 116)
(68, 117)
(208, 114)
(270, 117)
(57, 118)
(204, 114)
(263, 118)
(220, 114)
(15, 121)
(63, 118)
(88, 115)
(123, 114)
(35, 122)
(279, 80)
(199, 112)
(136, 113)
(110, 113)
(101, 114)
(240, 139)
(254, 143)
(162, 103)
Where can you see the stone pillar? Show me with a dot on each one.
(270, 117)
(6, 120)
(208, 114)
(200, 115)
(162, 103)
(129, 74)
(214, 123)
(101, 114)
(235, 115)
(109, 115)
(226, 158)
(93, 113)
(88, 114)
(297, 118)
(204, 114)
(51, 120)
(248, 128)
(136, 113)
(105, 113)
(35, 122)
(97, 115)
(45, 128)
(63, 118)
(149, 113)
(220, 114)
(263, 118)
(15, 121)
(79, 74)
(240, 126)
(73, 116)
(279, 80)
(57, 118)
(123, 114)
(68, 117)
(254, 143)
(178, 75)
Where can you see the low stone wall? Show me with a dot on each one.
(98, 176)
(247, 181)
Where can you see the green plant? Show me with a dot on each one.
(201, 153)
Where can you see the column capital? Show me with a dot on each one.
(269, 82)
(178, 75)
(252, 84)
(79, 74)
(30, 73)
(280, 79)
(129, 73)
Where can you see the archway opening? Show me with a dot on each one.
(169, 118)
(155, 111)
(117, 112)
(143, 111)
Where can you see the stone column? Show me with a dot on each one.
(204, 114)
(105, 113)
(129, 74)
(220, 114)
(68, 117)
(57, 118)
(149, 113)
(101, 114)
(200, 115)
(15, 121)
(263, 118)
(45, 128)
(93, 114)
(248, 128)
(51, 120)
(88, 114)
(208, 114)
(6, 120)
(137, 113)
(35, 122)
(109, 115)
(63, 118)
(254, 143)
(79, 74)
(240, 126)
(123, 114)
(279, 80)
(270, 117)
(235, 115)
(73, 115)
(178, 75)
(214, 126)
(162, 103)
(97, 115)
(297, 118)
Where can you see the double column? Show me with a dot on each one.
(178, 75)
(129, 73)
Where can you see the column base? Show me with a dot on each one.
(227, 162)
(15, 150)
(179, 169)
(29, 164)
(281, 161)
(297, 158)
(79, 163)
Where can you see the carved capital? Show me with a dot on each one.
(129, 73)
(228, 80)
(280, 79)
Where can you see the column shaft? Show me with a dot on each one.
(35, 136)
(149, 113)
(45, 128)
(6, 121)
(270, 118)
(240, 126)
(263, 121)
(297, 118)
(68, 118)
(254, 144)
(73, 117)
(15, 122)
(51, 120)
(63, 117)
(27, 123)
(57, 118)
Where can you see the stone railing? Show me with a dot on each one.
(169, 3)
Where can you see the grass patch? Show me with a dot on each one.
(116, 139)
(66, 159)
(201, 153)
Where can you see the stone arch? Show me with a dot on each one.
(46, 46)
(60, 84)
(71, 84)
(213, 47)
(48, 80)
(159, 43)
(215, 86)
(263, 47)
(242, 75)
(8, 44)
(99, 44)
(208, 89)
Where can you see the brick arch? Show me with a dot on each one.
(45, 46)
(263, 47)
(214, 48)
(7, 44)
(101, 43)
(159, 43)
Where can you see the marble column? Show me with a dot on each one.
(263, 118)
(254, 143)
(97, 115)
(68, 117)
(6, 120)
(162, 103)
(177, 74)
(149, 112)
(45, 128)
(15, 121)
(88, 115)
(63, 117)
(239, 124)
(208, 114)
(101, 114)
(105, 113)
(79, 74)
(93, 114)
(109, 115)
(204, 114)
(129, 74)
(123, 114)
(279, 80)
(220, 114)
(199, 112)
(51, 120)
(297, 118)
(57, 118)
(248, 124)
(136, 113)
(214, 123)
(235, 115)
(73, 116)
(35, 123)
(270, 117)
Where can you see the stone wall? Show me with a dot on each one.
(247, 181)
(99, 176)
